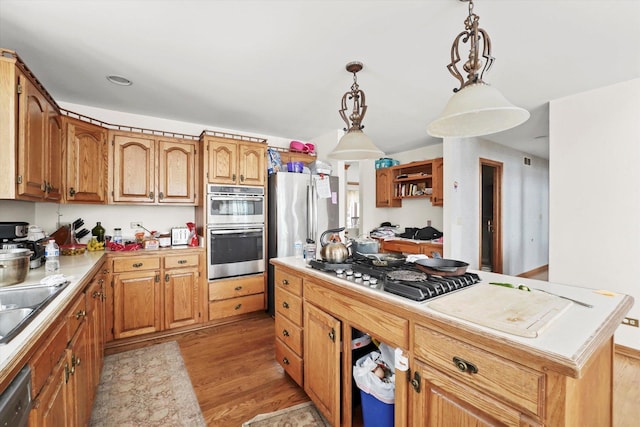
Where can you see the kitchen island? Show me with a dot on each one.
(459, 372)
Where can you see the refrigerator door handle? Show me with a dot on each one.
(311, 220)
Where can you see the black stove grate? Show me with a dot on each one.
(430, 286)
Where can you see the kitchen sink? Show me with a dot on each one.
(19, 305)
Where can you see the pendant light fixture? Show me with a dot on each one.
(354, 145)
(476, 108)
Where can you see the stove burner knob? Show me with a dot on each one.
(373, 281)
(366, 277)
(349, 272)
(357, 274)
(339, 271)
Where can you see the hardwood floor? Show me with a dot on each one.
(235, 376)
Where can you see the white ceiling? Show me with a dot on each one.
(278, 67)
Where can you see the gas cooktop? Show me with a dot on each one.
(405, 280)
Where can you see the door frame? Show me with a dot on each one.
(497, 214)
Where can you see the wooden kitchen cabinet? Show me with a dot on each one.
(181, 291)
(384, 189)
(235, 162)
(289, 323)
(322, 362)
(136, 296)
(415, 180)
(52, 408)
(147, 169)
(236, 295)
(408, 246)
(96, 314)
(86, 159)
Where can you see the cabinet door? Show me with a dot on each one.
(52, 408)
(437, 198)
(252, 163)
(442, 401)
(136, 303)
(322, 362)
(181, 298)
(80, 379)
(86, 160)
(134, 169)
(32, 128)
(223, 161)
(53, 160)
(96, 323)
(177, 172)
(384, 189)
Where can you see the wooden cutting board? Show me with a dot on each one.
(517, 312)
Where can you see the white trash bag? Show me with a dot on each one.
(374, 374)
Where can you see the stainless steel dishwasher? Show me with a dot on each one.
(15, 401)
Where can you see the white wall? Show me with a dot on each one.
(595, 196)
(525, 204)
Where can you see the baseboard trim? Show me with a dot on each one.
(627, 351)
(535, 271)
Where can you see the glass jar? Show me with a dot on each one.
(117, 235)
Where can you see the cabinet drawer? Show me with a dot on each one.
(75, 315)
(179, 261)
(508, 380)
(288, 305)
(43, 362)
(234, 306)
(135, 264)
(289, 333)
(288, 281)
(231, 288)
(291, 362)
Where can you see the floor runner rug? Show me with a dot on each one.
(302, 415)
(149, 386)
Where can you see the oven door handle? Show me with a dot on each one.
(217, 197)
(237, 231)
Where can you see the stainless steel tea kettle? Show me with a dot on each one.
(333, 250)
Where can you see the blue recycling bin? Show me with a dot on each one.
(376, 413)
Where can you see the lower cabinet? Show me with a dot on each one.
(153, 293)
(236, 295)
(322, 349)
(66, 369)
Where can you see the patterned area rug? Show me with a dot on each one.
(146, 387)
(302, 415)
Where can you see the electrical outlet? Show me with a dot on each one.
(136, 224)
(629, 321)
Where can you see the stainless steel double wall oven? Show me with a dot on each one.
(236, 230)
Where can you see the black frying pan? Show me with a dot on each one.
(442, 267)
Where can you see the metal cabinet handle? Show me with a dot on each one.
(285, 332)
(285, 360)
(233, 177)
(238, 288)
(285, 282)
(241, 178)
(182, 261)
(238, 307)
(137, 265)
(72, 191)
(151, 195)
(80, 314)
(166, 277)
(285, 304)
(464, 366)
(161, 195)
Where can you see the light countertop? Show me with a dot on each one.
(569, 340)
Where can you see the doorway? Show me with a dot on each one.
(490, 215)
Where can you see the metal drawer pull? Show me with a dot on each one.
(137, 265)
(238, 306)
(80, 314)
(285, 360)
(285, 282)
(285, 332)
(238, 288)
(182, 261)
(465, 366)
(285, 304)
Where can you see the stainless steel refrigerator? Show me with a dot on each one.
(301, 207)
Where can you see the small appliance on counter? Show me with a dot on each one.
(180, 236)
(17, 235)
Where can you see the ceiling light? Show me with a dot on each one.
(476, 108)
(119, 80)
(354, 145)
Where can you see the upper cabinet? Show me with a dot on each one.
(148, 169)
(86, 162)
(30, 135)
(422, 179)
(235, 161)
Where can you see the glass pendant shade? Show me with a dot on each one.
(355, 145)
(475, 110)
